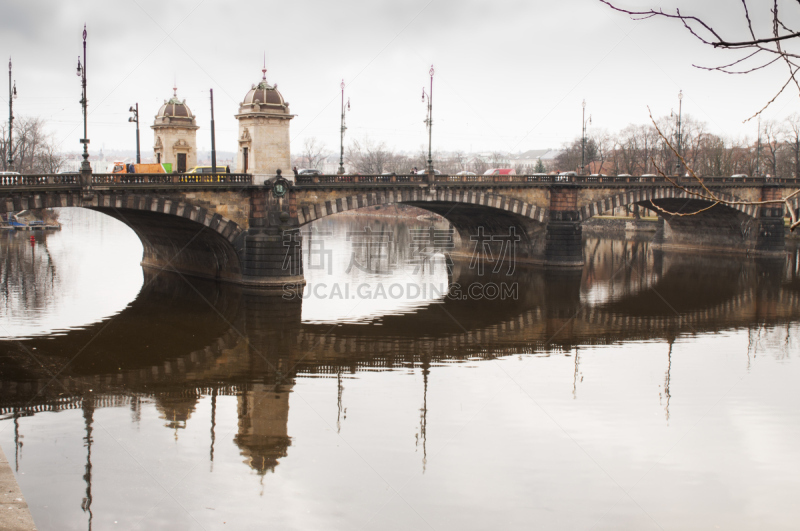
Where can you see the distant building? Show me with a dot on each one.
(526, 162)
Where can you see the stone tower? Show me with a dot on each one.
(175, 135)
(264, 132)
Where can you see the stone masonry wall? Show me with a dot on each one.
(169, 137)
(269, 145)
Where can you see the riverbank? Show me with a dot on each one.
(14, 513)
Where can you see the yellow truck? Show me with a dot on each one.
(121, 167)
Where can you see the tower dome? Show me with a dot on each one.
(175, 111)
(265, 98)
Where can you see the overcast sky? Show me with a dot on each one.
(510, 74)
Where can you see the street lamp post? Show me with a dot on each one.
(86, 168)
(429, 122)
(345, 108)
(135, 118)
(584, 122)
(12, 94)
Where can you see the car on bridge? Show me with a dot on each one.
(309, 171)
(566, 175)
(209, 170)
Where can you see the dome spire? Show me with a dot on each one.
(264, 69)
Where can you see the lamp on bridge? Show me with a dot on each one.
(429, 121)
(12, 95)
(345, 108)
(135, 118)
(85, 166)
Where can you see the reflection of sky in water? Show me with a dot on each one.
(358, 270)
(70, 278)
(615, 269)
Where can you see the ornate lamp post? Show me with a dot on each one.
(12, 95)
(345, 108)
(429, 120)
(583, 137)
(86, 168)
(135, 118)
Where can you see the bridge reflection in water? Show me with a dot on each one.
(182, 340)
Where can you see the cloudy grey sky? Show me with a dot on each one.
(510, 74)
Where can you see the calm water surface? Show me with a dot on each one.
(401, 391)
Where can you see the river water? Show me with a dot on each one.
(402, 390)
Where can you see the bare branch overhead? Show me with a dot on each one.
(761, 50)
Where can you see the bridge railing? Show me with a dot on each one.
(38, 179)
(351, 179)
(533, 179)
(106, 179)
(170, 178)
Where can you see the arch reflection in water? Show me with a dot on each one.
(178, 339)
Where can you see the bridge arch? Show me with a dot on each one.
(645, 195)
(422, 199)
(472, 212)
(176, 234)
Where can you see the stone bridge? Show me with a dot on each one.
(227, 228)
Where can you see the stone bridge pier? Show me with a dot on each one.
(272, 250)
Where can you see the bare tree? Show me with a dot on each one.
(604, 144)
(369, 158)
(773, 133)
(459, 160)
(570, 157)
(757, 51)
(33, 149)
(479, 165)
(313, 152)
(793, 126)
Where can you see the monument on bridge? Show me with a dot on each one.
(175, 133)
(263, 132)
